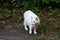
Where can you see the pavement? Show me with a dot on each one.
(16, 33)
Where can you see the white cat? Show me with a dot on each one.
(32, 20)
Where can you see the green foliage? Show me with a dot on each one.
(46, 1)
(5, 14)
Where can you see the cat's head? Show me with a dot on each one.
(35, 20)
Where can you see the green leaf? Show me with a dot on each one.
(45, 1)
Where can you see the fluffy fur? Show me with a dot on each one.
(32, 20)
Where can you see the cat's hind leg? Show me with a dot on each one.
(25, 26)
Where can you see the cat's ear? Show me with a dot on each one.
(36, 18)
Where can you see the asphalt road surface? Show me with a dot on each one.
(16, 33)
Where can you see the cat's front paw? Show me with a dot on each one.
(30, 32)
(35, 32)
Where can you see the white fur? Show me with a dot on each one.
(31, 21)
